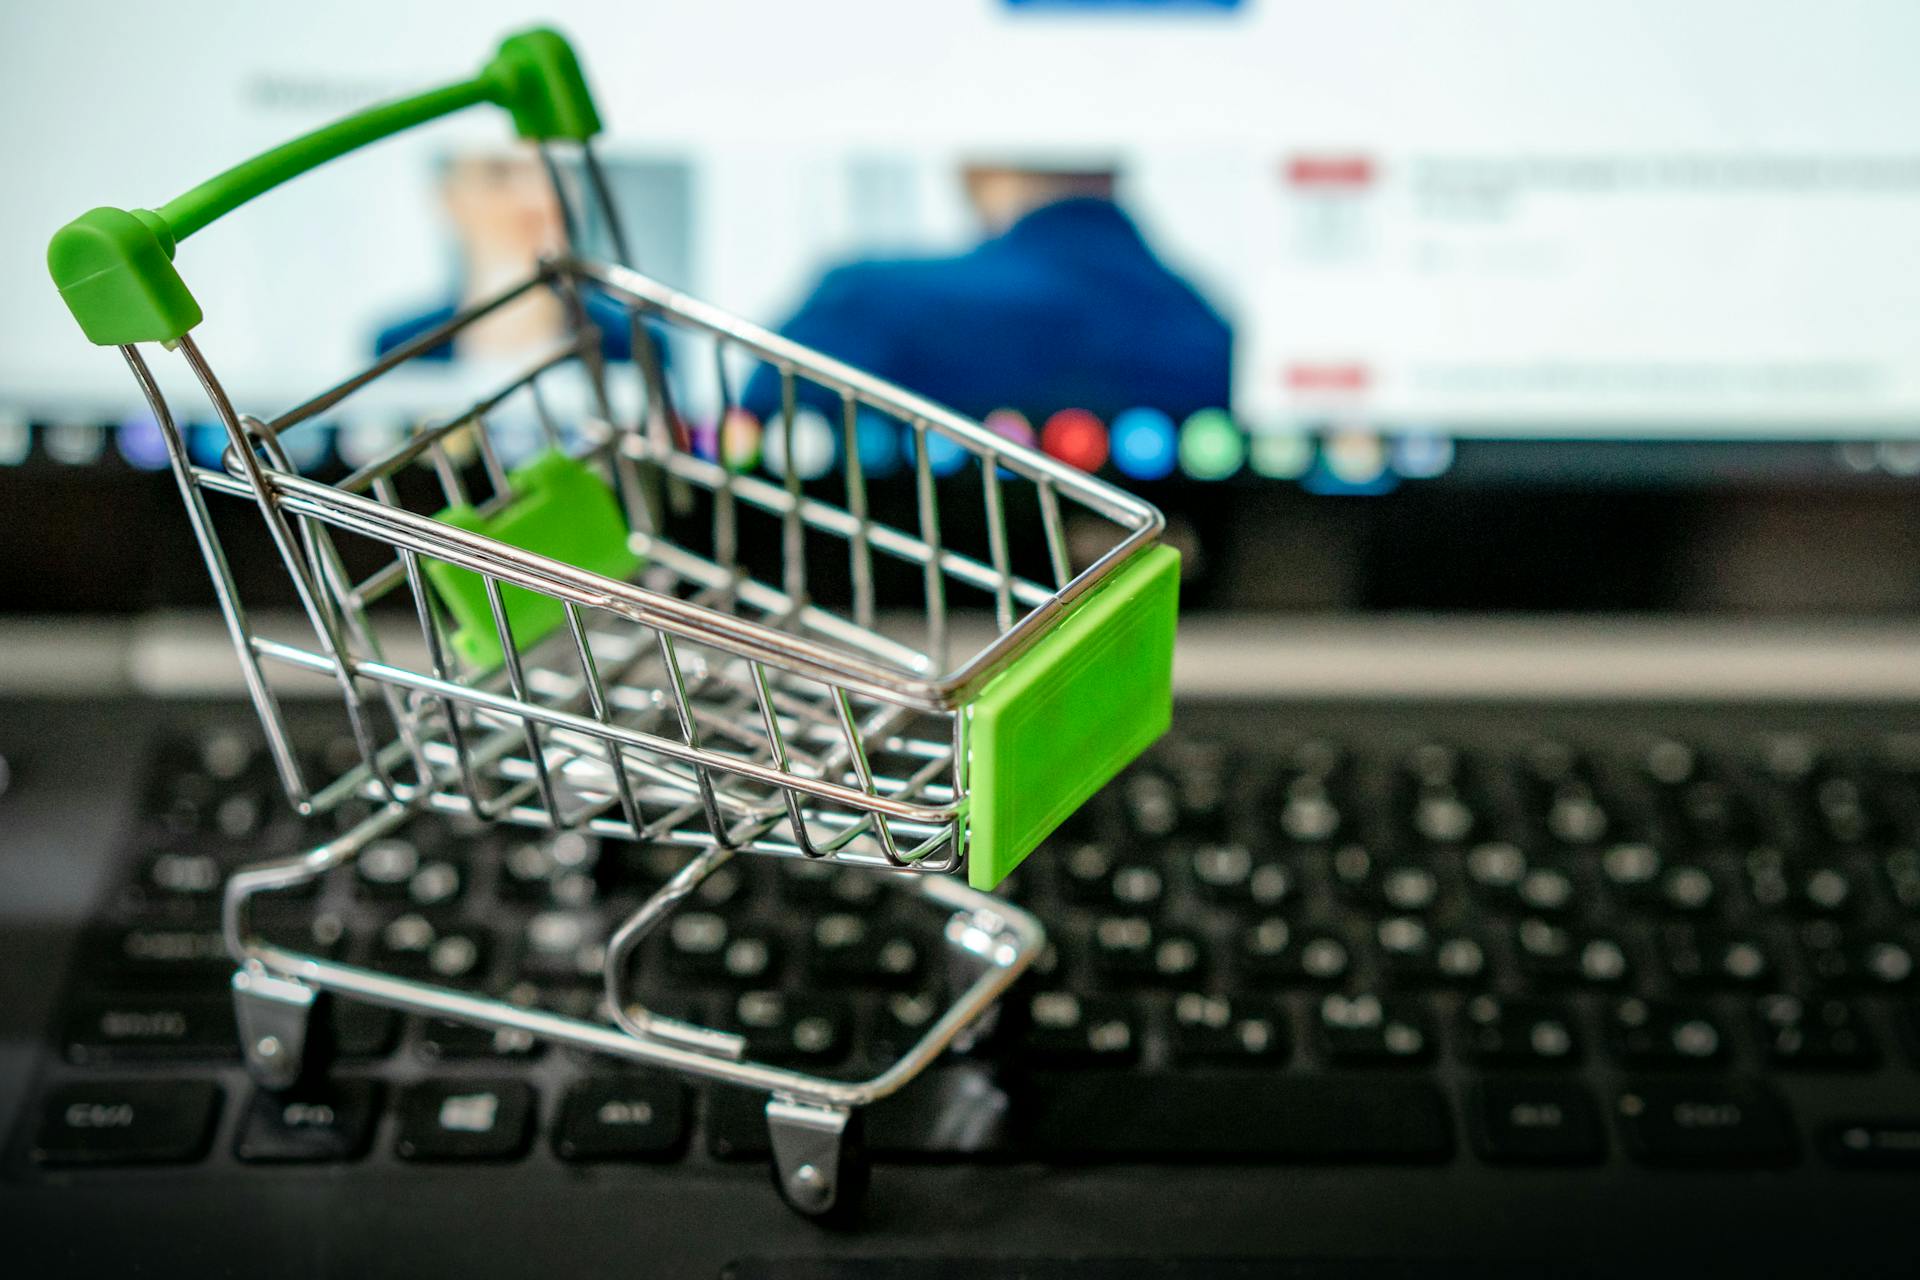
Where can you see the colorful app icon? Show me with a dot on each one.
(1422, 455)
(740, 439)
(1077, 438)
(141, 444)
(813, 451)
(944, 454)
(1143, 445)
(77, 444)
(1280, 455)
(1211, 447)
(878, 438)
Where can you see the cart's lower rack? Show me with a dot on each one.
(990, 944)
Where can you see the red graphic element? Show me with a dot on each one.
(1328, 377)
(1077, 438)
(1330, 171)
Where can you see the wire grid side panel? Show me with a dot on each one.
(608, 725)
(838, 514)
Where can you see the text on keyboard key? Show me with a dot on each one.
(1705, 1123)
(329, 1121)
(465, 1120)
(112, 1122)
(1535, 1122)
(622, 1116)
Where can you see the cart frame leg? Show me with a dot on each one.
(275, 1017)
(809, 1142)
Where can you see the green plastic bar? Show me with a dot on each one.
(222, 194)
(1070, 713)
(114, 267)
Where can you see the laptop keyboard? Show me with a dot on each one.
(1387, 947)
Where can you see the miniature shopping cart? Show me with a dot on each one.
(614, 634)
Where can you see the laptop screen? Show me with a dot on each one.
(1292, 270)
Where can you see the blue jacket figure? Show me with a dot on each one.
(1067, 307)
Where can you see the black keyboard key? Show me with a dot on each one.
(1705, 1123)
(561, 946)
(793, 1028)
(1275, 950)
(623, 1116)
(1699, 802)
(1433, 796)
(182, 876)
(898, 1019)
(1091, 873)
(1902, 868)
(151, 1027)
(1776, 882)
(1137, 886)
(823, 886)
(949, 1112)
(1644, 877)
(1848, 806)
(1133, 949)
(1268, 1116)
(1665, 1033)
(441, 1039)
(326, 1122)
(737, 1124)
(1633, 870)
(1839, 956)
(412, 946)
(1394, 885)
(1229, 874)
(1150, 803)
(1814, 1034)
(1874, 1144)
(1556, 953)
(1507, 1032)
(851, 948)
(1368, 1029)
(1089, 1030)
(1576, 815)
(398, 870)
(160, 953)
(569, 872)
(1306, 810)
(465, 1120)
(1495, 869)
(1711, 957)
(704, 944)
(1534, 1122)
(1414, 953)
(109, 1122)
(1220, 1028)
(1504, 877)
(361, 1030)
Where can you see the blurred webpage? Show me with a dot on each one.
(1587, 292)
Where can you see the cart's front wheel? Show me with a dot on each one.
(820, 1164)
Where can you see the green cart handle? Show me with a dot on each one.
(114, 267)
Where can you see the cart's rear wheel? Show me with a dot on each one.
(820, 1162)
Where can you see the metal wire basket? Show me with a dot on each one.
(620, 637)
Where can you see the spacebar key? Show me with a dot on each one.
(1233, 1116)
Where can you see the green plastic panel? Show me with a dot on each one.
(1070, 713)
(562, 509)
